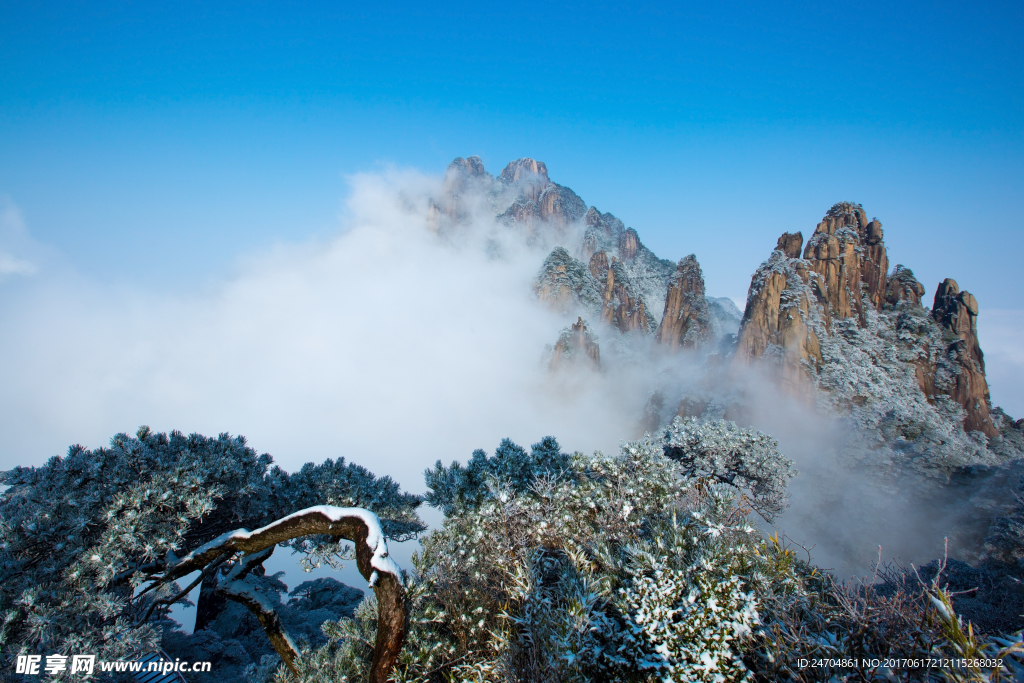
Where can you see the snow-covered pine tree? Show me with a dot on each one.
(81, 536)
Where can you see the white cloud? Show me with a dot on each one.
(383, 345)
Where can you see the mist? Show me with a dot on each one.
(394, 347)
(850, 513)
(383, 344)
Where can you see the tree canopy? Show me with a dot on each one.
(80, 535)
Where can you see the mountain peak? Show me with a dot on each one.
(525, 170)
(472, 167)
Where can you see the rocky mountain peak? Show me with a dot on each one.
(470, 167)
(903, 286)
(538, 200)
(790, 244)
(526, 173)
(462, 178)
(837, 322)
(957, 312)
(847, 254)
(686, 322)
(576, 345)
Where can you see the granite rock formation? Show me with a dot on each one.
(686, 322)
(779, 322)
(957, 312)
(847, 253)
(834, 323)
(576, 345)
(621, 306)
(565, 283)
(603, 233)
(464, 180)
(826, 316)
(903, 286)
(538, 202)
(790, 244)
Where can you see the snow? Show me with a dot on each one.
(380, 561)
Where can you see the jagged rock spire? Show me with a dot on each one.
(957, 312)
(790, 244)
(621, 306)
(576, 345)
(686, 322)
(848, 254)
(903, 286)
(778, 315)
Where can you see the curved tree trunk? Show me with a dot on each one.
(360, 526)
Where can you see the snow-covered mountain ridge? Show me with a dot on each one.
(827, 321)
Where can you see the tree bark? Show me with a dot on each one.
(354, 524)
(210, 603)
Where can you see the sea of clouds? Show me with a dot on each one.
(393, 348)
(383, 344)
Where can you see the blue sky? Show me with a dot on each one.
(148, 148)
(191, 132)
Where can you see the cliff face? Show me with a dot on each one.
(810, 317)
(779, 322)
(903, 286)
(686, 322)
(621, 306)
(847, 253)
(603, 233)
(957, 313)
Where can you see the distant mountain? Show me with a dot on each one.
(827, 321)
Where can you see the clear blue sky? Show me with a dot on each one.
(153, 141)
(149, 144)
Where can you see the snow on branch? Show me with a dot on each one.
(357, 525)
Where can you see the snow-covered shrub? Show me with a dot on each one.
(548, 564)
(690, 608)
(343, 659)
(743, 458)
(678, 617)
(235, 641)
